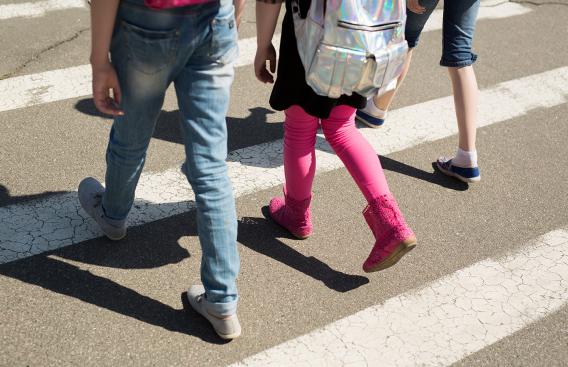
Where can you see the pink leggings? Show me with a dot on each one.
(339, 129)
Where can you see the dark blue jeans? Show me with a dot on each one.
(458, 29)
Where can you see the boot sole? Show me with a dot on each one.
(402, 249)
(266, 213)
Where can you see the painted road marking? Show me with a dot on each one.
(444, 321)
(56, 85)
(37, 9)
(40, 225)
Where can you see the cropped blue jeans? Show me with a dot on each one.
(458, 29)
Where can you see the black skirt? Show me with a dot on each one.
(290, 87)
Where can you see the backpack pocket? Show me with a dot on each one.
(337, 71)
(397, 55)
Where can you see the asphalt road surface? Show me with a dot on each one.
(487, 284)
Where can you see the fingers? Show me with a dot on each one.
(415, 7)
(105, 103)
(116, 93)
(272, 61)
(263, 75)
(261, 71)
(108, 106)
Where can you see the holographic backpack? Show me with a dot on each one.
(351, 46)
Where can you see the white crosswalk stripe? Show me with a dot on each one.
(434, 325)
(55, 85)
(446, 320)
(57, 221)
(38, 8)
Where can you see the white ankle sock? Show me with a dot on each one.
(374, 110)
(465, 158)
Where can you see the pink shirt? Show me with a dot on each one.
(165, 4)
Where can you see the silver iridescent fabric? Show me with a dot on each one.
(351, 46)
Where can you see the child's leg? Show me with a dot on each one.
(414, 25)
(384, 101)
(293, 210)
(393, 237)
(143, 75)
(203, 86)
(300, 131)
(355, 152)
(465, 99)
(459, 28)
(143, 83)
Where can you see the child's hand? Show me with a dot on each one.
(415, 7)
(260, 70)
(105, 80)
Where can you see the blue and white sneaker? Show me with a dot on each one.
(370, 115)
(366, 118)
(465, 174)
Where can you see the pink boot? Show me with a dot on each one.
(393, 236)
(292, 214)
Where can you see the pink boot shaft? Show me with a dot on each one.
(393, 236)
(293, 215)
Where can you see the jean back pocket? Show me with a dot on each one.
(150, 51)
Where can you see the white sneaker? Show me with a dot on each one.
(91, 196)
(227, 327)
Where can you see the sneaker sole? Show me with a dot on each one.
(118, 238)
(455, 175)
(365, 122)
(222, 336)
(229, 336)
(402, 249)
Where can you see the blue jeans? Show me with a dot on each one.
(458, 29)
(195, 48)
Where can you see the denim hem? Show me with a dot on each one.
(223, 308)
(458, 64)
(112, 218)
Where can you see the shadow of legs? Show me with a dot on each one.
(258, 235)
(435, 177)
(63, 278)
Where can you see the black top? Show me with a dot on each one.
(290, 87)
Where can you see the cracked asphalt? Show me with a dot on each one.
(101, 303)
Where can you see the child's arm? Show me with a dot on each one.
(239, 8)
(267, 12)
(103, 17)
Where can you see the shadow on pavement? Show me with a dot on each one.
(149, 246)
(7, 199)
(436, 177)
(258, 234)
(61, 277)
(239, 130)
